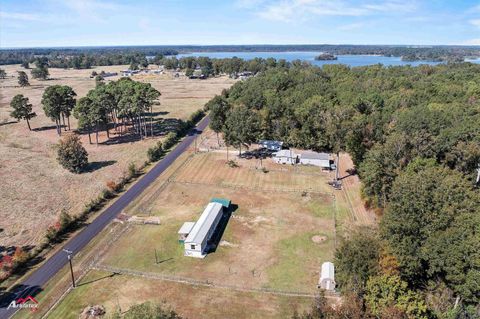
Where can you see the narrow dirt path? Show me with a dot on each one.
(352, 189)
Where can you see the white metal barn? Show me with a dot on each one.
(314, 158)
(285, 157)
(196, 243)
(327, 277)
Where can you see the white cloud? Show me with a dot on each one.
(90, 10)
(91, 6)
(474, 9)
(351, 26)
(392, 6)
(291, 10)
(475, 22)
(472, 42)
(248, 4)
(19, 16)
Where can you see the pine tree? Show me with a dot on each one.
(22, 110)
(23, 79)
(71, 154)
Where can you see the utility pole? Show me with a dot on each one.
(156, 258)
(69, 256)
(337, 168)
(478, 175)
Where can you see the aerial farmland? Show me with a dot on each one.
(284, 224)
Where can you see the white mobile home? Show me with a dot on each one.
(285, 157)
(196, 243)
(327, 276)
(316, 159)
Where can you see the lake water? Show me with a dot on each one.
(350, 60)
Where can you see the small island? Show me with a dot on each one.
(325, 57)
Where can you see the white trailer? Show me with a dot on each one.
(317, 159)
(285, 157)
(196, 243)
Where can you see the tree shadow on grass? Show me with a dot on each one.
(93, 166)
(165, 126)
(351, 172)
(164, 260)
(121, 139)
(160, 113)
(98, 279)
(8, 123)
(46, 128)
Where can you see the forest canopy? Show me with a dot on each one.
(414, 136)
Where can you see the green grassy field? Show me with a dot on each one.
(121, 292)
(297, 258)
(267, 243)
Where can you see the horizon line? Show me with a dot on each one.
(235, 45)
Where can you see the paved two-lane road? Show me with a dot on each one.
(45, 272)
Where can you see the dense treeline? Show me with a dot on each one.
(83, 58)
(99, 56)
(229, 66)
(414, 136)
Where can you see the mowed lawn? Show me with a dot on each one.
(274, 239)
(195, 302)
(267, 242)
(210, 168)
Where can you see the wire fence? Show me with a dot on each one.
(254, 188)
(149, 200)
(89, 262)
(82, 268)
(207, 283)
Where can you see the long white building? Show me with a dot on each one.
(196, 243)
(316, 159)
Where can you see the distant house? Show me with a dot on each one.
(129, 72)
(271, 145)
(197, 241)
(108, 74)
(316, 159)
(197, 74)
(327, 277)
(285, 157)
(245, 75)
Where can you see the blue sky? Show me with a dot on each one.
(32, 23)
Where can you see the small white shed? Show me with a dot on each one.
(316, 159)
(327, 276)
(185, 230)
(285, 157)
